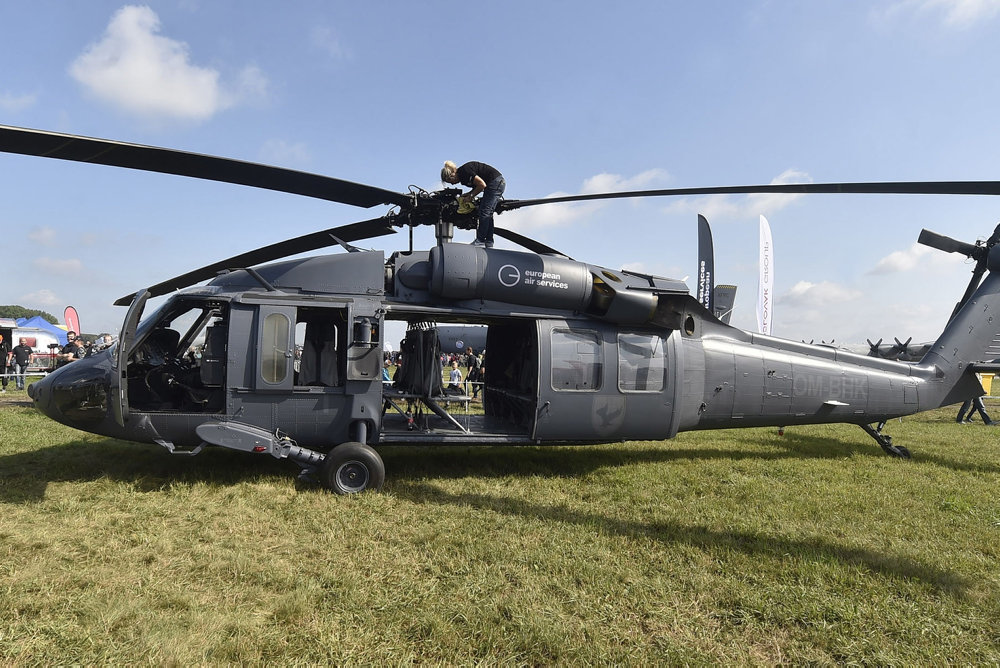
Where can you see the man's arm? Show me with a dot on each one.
(478, 186)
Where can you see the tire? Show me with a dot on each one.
(351, 468)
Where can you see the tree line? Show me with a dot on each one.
(14, 311)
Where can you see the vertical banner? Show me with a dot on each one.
(706, 264)
(71, 319)
(765, 285)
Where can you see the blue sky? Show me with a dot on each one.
(563, 97)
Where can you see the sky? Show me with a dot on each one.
(562, 97)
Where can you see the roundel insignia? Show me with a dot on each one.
(509, 275)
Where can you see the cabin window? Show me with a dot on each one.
(642, 363)
(320, 335)
(274, 354)
(577, 360)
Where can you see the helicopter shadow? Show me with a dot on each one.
(675, 533)
(808, 446)
(24, 477)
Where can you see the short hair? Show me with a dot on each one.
(448, 171)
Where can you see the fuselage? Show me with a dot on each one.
(300, 354)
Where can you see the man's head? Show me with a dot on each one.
(448, 172)
(70, 336)
(468, 351)
(22, 341)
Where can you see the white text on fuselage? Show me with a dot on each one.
(829, 387)
(544, 279)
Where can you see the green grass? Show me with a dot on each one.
(716, 547)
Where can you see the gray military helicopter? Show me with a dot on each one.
(577, 353)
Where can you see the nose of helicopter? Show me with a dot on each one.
(76, 394)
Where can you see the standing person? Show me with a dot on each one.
(22, 356)
(68, 352)
(74, 350)
(481, 178)
(4, 362)
(454, 379)
(472, 375)
(970, 407)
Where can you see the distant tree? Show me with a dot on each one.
(14, 311)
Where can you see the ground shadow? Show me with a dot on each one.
(25, 476)
(754, 544)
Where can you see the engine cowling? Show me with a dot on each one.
(461, 272)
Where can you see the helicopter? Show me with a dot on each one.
(576, 352)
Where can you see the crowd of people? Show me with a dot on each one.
(470, 383)
(17, 360)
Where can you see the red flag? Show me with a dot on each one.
(72, 319)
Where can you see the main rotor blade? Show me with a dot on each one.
(527, 242)
(169, 161)
(363, 230)
(946, 244)
(887, 188)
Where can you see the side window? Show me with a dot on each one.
(641, 363)
(577, 360)
(274, 358)
(320, 337)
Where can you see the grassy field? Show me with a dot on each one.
(716, 547)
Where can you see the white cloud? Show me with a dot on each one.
(12, 103)
(45, 236)
(818, 295)
(916, 256)
(39, 298)
(563, 213)
(958, 14)
(135, 69)
(69, 267)
(324, 39)
(609, 183)
(741, 206)
(280, 152)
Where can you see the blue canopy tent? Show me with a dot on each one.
(39, 322)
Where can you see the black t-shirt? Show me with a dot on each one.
(470, 170)
(22, 354)
(473, 365)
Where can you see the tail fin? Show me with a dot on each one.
(722, 304)
(972, 335)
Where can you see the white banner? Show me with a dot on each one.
(765, 285)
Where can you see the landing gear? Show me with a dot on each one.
(351, 468)
(885, 441)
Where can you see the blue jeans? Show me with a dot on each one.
(20, 370)
(494, 189)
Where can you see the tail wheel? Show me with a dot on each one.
(351, 468)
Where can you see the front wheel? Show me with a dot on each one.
(351, 468)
